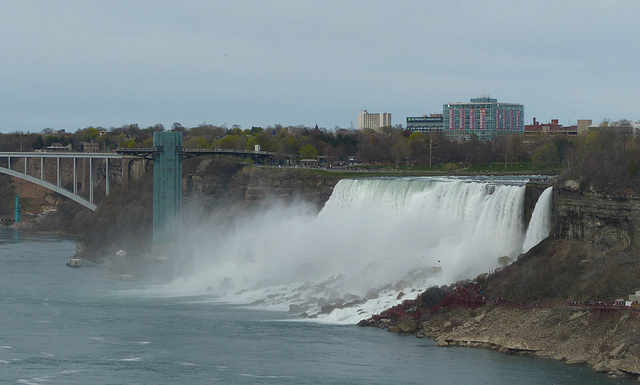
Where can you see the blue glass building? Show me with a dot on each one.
(484, 117)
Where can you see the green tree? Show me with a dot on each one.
(290, 145)
(202, 143)
(234, 130)
(605, 159)
(511, 148)
(308, 152)
(233, 142)
(38, 143)
(251, 143)
(89, 134)
(545, 156)
(49, 140)
(401, 151)
(148, 143)
(129, 143)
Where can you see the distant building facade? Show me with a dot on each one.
(90, 147)
(555, 128)
(58, 147)
(373, 121)
(425, 124)
(484, 117)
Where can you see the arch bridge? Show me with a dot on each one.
(167, 155)
(36, 167)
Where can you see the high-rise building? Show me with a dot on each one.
(483, 117)
(373, 121)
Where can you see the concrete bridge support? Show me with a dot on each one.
(134, 168)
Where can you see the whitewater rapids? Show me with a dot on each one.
(375, 242)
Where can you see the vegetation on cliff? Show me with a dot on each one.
(604, 160)
(561, 270)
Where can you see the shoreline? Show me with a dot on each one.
(608, 342)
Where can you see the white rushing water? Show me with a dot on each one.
(540, 224)
(374, 239)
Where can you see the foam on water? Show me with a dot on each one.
(375, 241)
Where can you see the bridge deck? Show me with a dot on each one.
(101, 155)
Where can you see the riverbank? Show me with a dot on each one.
(606, 340)
(546, 303)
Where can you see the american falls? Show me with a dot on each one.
(375, 242)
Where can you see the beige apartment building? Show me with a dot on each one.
(373, 121)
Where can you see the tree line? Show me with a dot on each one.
(606, 157)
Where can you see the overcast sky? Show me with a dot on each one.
(77, 63)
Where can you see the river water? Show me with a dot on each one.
(60, 325)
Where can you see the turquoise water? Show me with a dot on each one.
(60, 325)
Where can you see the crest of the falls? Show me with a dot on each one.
(374, 238)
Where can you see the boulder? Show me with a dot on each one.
(407, 325)
(432, 297)
(504, 349)
(600, 367)
(441, 342)
(618, 350)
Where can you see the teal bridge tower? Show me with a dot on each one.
(167, 188)
(167, 155)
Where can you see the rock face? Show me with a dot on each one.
(606, 219)
(592, 255)
(213, 180)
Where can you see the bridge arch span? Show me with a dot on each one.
(50, 186)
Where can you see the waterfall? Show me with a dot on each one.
(375, 240)
(540, 223)
(457, 225)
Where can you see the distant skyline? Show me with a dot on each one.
(71, 64)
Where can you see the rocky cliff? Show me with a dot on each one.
(217, 180)
(609, 220)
